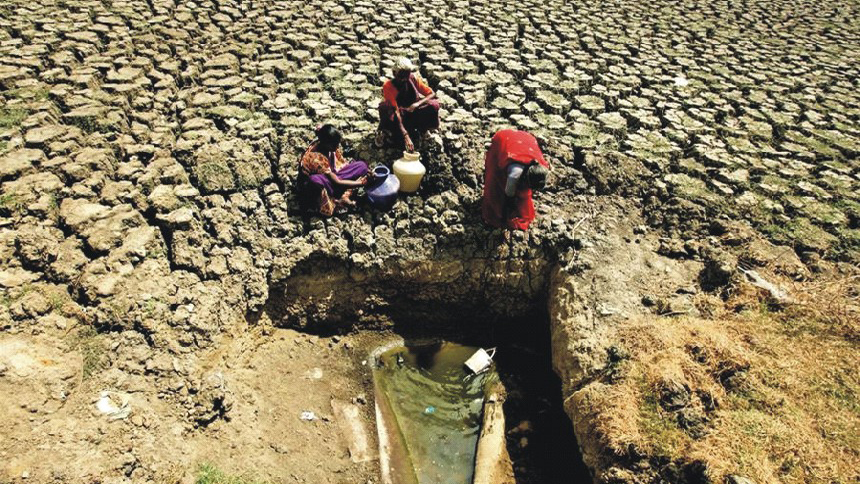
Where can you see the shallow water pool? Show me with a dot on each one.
(437, 406)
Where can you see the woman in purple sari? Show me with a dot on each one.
(409, 107)
(326, 179)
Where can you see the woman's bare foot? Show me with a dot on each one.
(346, 199)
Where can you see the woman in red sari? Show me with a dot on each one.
(409, 107)
(513, 167)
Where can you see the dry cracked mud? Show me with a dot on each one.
(150, 241)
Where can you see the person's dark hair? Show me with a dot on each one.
(328, 135)
(537, 175)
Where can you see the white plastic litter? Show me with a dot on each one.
(777, 293)
(308, 416)
(314, 374)
(481, 360)
(114, 405)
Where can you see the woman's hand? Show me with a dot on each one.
(357, 182)
(417, 104)
(408, 142)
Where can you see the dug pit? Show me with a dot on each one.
(547, 303)
(442, 310)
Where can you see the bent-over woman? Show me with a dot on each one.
(513, 168)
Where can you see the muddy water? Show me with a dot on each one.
(437, 405)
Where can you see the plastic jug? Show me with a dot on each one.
(481, 360)
(409, 170)
(382, 188)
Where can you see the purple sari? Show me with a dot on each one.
(352, 171)
(319, 191)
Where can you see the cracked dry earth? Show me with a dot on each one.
(150, 245)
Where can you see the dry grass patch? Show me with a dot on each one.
(770, 395)
(209, 474)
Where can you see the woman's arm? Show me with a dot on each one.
(514, 173)
(400, 121)
(417, 104)
(425, 91)
(347, 183)
(406, 139)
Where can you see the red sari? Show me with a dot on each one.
(509, 146)
(425, 118)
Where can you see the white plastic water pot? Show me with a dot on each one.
(409, 170)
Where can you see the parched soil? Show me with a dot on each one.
(151, 243)
(54, 433)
